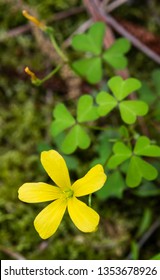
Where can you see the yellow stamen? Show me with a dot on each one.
(33, 19)
(31, 74)
(68, 193)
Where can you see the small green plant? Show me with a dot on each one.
(77, 128)
(129, 109)
(128, 156)
(77, 135)
(137, 167)
(91, 67)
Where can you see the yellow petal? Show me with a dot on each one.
(91, 182)
(55, 166)
(38, 192)
(48, 220)
(84, 217)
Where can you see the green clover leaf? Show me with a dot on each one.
(129, 110)
(90, 68)
(144, 148)
(92, 41)
(121, 154)
(114, 187)
(122, 88)
(138, 169)
(106, 103)
(63, 119)
(76, 137)
(115, 54)
(85, 109)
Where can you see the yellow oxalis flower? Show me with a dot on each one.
(64, 196)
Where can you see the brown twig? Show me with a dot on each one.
(114, 5)
(15, 32)
(99, 14)
(67, 13)
(12, 254)
(95, 11)
(81, 29)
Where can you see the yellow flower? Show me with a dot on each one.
(64, 196)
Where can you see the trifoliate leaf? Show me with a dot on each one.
(115, 54)
(77, 137)
(86, 111)
(139, 169)
(129, 110)
(63, 119)
(91, 41)
(144, 148)
(117, 61)
(121, 153)
(122, 88)
(113, 187)
(89, 68)
(106, 103)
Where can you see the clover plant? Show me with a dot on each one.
(128, 157)
(91, 66)
(138, 168)
(77, 135)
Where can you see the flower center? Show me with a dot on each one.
(68, 193)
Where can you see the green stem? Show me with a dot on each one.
(38, 82)
(57, 48)
(51, 74)
(90, 199)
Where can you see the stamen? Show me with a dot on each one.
(69, 193)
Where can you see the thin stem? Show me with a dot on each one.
(90, 199)
(57, 48)
(51, 74)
